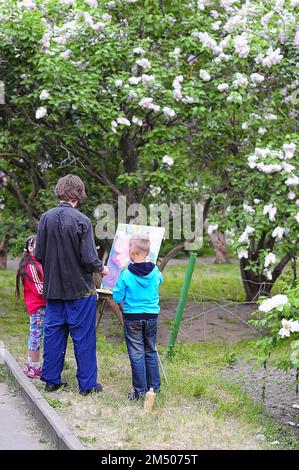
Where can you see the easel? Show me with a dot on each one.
(103, 296)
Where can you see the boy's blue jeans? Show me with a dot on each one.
(140, 338)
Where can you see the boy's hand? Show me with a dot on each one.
(105, 271)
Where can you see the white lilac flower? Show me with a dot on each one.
(68, 2)
(177, 95)
(289, 150)
(271, 211)
(287, 167)
(278, 301)
(240, 80)
(262, 130)
(241, 46)
(147, 78)
(134, 80)
(291, 196)
(169, 112)
(45, 41)
(268, 274)
(98, 26)
(272, 57)
(257, 78)
(44, 95)
(132, 95)
(114, 126)
(223, 87)
(270, 168)
(137, 121)
(297, 217)
(139, 50)
(92, 3)
(66, 54)
(118, 83)
(216, 25)
(146, 102)
(144, 63)
(260, 152)
(204, 75)
(267, 18)
(288, 327)
(154, 190)
(41, 112)
(212, 228)
(294, 3)
(248, 209)
(123, 121)
(279, 5)
(207, 41)
(270, 258)
(168, 160)
(252, 161)
(176, 52)
(278, 232)
(242, 253)
(244, 237)
(188, 100)
(270, 117)
(292, 181)
(30, 4)
(245, 127)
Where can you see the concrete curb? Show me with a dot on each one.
(46, 416)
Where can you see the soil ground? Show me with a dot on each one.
(206, 321)
(280, 397)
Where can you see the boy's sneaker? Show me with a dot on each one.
(134, 396)
(34, 373)
(26, 368)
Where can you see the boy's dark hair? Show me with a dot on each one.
(26, 259)
(70, 188)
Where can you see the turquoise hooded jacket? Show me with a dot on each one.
(140, 294)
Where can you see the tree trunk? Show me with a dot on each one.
(3, 252)
(219, 245)
(255, 284)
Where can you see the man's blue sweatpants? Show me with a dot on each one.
(77, 317)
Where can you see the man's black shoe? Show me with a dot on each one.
(54, 387)
(98, 389)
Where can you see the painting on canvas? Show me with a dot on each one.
(119, 254)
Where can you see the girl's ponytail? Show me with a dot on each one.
(26, 259)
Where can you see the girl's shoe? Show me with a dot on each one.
(26, 368)
(34, 373)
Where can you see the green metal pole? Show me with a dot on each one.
(181, 304)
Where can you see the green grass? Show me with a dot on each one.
(199, 409)
(209, 282)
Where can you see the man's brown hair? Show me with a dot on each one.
(70, 188)
(141, 244)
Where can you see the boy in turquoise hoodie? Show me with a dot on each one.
(138, 289)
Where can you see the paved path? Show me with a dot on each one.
(18, 430)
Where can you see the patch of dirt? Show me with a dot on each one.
(206, 321)
(280, 390)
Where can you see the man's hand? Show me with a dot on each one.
(105, 271)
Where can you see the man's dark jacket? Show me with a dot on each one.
(66, 249)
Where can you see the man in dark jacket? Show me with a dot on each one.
(65, 246)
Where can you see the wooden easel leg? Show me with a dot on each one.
(100, 310)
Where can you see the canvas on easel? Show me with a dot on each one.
(119, 254)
